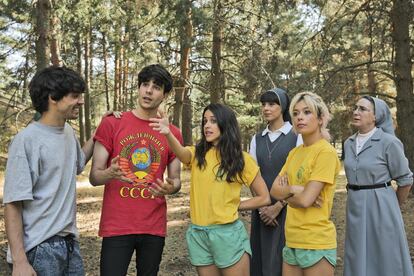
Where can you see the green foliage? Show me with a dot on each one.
(328, 47)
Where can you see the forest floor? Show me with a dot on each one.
(175, 257)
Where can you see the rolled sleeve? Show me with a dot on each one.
(398, 164)
(105, 132)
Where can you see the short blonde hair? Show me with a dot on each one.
(317, 106)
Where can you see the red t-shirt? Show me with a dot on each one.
(144, 155)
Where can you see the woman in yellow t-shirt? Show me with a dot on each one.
(217, 241)
(307, 183)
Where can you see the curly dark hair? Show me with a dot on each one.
(56, 82)
(229, 145)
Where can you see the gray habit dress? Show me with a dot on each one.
(375, 239)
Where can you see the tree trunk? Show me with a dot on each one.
(401, 18)
(217, 78)
(42, 30)
(26, 75)
(187, 110)
(91, 80)
(134, 83)
(125, 69)
(116, 75)
(55, 41)
(125, 82)
(185, 32)
(105, 60)
(120, 75)
(372, 84)
(187, 125)
(87, 81)
(78, 44)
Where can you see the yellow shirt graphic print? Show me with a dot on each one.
(299, 175)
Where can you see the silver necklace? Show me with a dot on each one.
(271, 149)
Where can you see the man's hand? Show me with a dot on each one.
(116, 114)
(23, 268)
(115, 172)
(164, 188)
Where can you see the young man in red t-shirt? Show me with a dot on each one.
(130, 159)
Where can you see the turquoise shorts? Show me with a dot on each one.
(222, 245)
(305, 258)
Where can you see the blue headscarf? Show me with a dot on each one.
(383, 117)
(284, 102)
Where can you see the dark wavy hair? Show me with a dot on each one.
(56, 82)
(158, 74)
(229, 145)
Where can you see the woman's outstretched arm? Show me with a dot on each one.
(162, 125)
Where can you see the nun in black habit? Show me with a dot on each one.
(270, 148)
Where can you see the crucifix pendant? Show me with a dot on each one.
(270, 156)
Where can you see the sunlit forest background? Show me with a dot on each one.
(218, 51)
(227, 51)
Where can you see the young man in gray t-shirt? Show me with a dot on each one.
(40, 182)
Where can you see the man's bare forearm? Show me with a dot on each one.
(99, 177)
(14, 231)
(88, 149)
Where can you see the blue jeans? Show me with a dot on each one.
(57, 256)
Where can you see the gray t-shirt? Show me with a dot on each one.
(41, 172)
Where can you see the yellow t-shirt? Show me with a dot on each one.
(215, 201)
(311, 228)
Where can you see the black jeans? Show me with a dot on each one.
(117, 251)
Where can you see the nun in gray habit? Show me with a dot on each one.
(270, 147)
(375, 239)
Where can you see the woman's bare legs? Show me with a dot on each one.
(208, 270)
(321, 268)
(291, 270)
(241, 268)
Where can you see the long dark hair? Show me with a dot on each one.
(229, 144)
